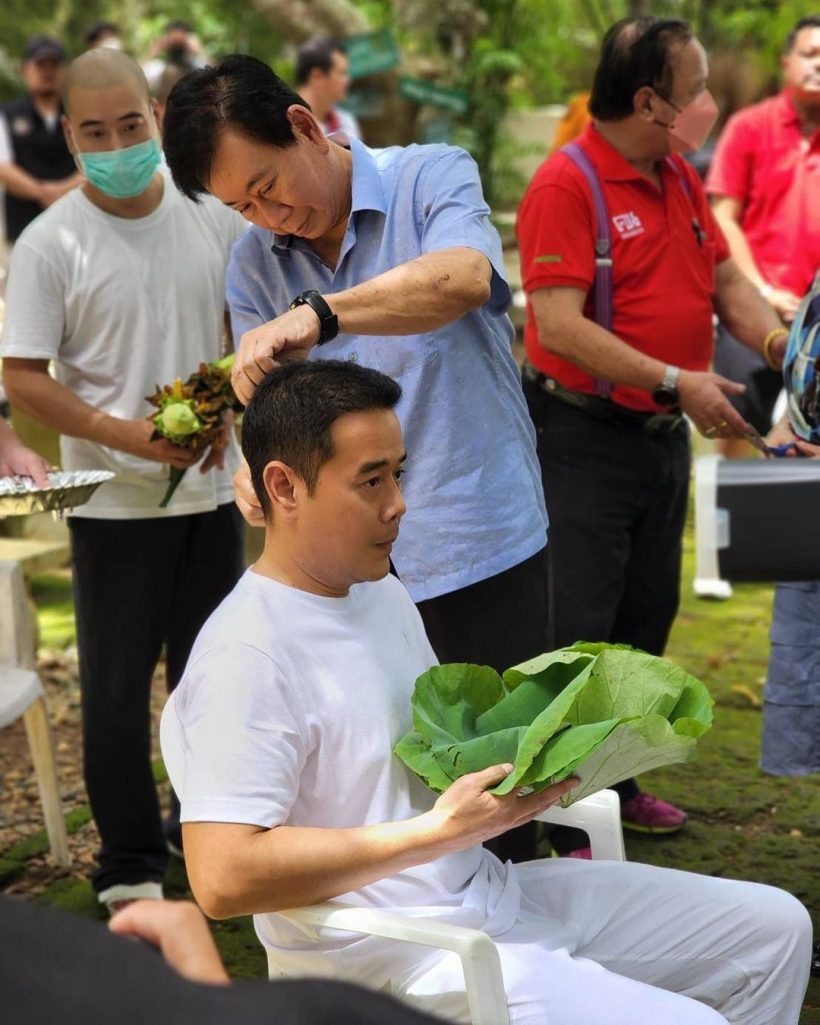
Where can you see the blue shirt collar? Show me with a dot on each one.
(366, 188)
(367, 183)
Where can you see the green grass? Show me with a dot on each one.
(743, 824)
(55, 609)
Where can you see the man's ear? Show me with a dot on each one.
(304, 123)
(642, 103)
(281, 486)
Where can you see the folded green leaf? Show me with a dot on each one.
(601, 712)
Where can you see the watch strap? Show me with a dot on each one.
(328, 321)
(670, 378)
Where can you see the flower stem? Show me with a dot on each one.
(174, 480)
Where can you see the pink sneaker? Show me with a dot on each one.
(648, 814)
(584, 853)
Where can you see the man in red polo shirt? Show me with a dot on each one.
(608, 404)
(765, 188)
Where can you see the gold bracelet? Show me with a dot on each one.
(767, 347)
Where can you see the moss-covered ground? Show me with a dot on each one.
(743, 823)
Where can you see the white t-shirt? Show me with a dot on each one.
(122, 306)
(287, 715)
(6, 152)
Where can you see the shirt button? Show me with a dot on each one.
(353, 357)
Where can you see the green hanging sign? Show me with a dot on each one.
(371, 52)
(421, 91)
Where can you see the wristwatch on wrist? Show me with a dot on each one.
(328, 321)
(666, 393)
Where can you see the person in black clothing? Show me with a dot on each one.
(35, 165)
(61, 968)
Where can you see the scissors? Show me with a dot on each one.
(769, 451)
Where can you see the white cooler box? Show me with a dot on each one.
(755, 519)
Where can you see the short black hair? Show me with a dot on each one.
(635, 52)
(293, 410)
(316, 53)
(99, 29)
(810, 21)
(178, 25)
(241, 93)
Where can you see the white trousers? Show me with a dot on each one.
(609, 943)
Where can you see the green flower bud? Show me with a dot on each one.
(179, 419)
(226, 362)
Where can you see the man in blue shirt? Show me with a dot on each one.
(387, 257)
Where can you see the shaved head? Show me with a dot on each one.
(103, 69)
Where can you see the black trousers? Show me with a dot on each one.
(497, 622)
(139, 585)
(616, 499)
(57, 967)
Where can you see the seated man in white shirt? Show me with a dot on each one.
(294, 695)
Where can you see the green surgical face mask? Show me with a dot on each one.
(122, 173)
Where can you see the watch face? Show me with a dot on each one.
(665, 396)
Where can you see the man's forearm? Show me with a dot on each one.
(19, 182)
(422, 295)
(744, 312)
(291, 866)
(740, 250)
(600, 353)
(38, 395)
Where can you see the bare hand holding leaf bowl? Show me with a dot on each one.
(602, 713)
(196, 415)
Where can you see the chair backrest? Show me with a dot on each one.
(16, 620)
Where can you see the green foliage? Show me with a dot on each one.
(602, 712)
(224, 26)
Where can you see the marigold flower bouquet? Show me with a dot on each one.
(194, 414)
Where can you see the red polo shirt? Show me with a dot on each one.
(663, 276)
(763, 160)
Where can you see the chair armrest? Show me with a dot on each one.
(599, 815)
(484, 982)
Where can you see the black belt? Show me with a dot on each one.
(604, 409)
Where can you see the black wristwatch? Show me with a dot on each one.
(328, 321)
(666, 393)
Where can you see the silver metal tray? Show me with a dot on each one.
(20, 496)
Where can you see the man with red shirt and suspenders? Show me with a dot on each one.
(623, 265)
(764, 182)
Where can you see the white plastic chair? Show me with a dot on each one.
(599, 816)
(21, 694)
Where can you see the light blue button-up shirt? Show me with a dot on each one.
(475, 504)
